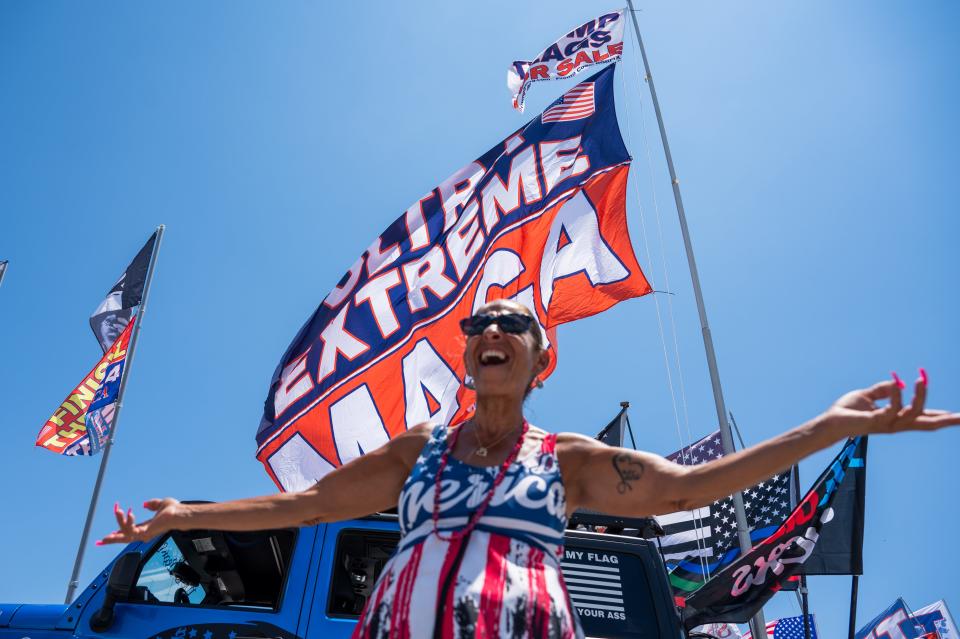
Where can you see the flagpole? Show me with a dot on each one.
(802, 591)
(855, 582)
(626, 419)
(758, 627)
(108, 445)
(3, 271)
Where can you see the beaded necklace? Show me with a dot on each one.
(478, 513)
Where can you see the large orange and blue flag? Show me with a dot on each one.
(539, 218)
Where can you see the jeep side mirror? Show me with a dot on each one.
(119, 585)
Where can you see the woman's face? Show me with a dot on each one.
(503, 363)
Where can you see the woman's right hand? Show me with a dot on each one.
(364, 485)
(167, 513)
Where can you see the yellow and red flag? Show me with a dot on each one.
(66, 431)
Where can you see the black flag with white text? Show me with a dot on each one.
(739, 590)
(839, 550)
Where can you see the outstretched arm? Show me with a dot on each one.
(367, 484)
(631, 483)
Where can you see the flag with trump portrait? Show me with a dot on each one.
(540, 218)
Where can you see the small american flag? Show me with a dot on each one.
(575, 104)
(788, 628)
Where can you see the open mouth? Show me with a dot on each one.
(493, 357)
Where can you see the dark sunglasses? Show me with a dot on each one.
(515, 323)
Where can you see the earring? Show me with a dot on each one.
(538, 382)
(468, 383)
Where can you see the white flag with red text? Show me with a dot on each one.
(597, 41)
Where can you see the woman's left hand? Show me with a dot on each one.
(633, 483)
(856, 413)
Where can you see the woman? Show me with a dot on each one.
(479, 551)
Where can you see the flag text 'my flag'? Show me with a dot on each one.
(539, 218)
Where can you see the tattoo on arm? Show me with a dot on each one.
(628, 470)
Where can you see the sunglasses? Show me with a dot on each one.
(515, 323)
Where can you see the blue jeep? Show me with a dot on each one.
(313, 582)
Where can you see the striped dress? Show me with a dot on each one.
(503, 580)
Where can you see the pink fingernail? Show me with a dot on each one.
(99, 542)
(130, 512)
(899, 381)
(923, 376)
(116, 506)
(145, 504)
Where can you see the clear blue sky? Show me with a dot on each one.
(817, 145)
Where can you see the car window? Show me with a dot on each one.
(159, 580)
(217, 568)
(359, 560)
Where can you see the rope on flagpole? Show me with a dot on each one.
(663, 257)
(726, 437)
(698, 521)
(656, 299)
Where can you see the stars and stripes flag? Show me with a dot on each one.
(539, 218)
(701, 542)
(788, 628)
(576, 104)
(596, 41)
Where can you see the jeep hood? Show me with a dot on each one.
(32, 616)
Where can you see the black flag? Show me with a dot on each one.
(117, 308)
(734, 594)
(839, 551)
(612, 434)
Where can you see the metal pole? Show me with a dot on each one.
(805, 607)
(853, 606)
(757, 624)
(3, 269)
(626, 418)
(131, 350)
(802, 591)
